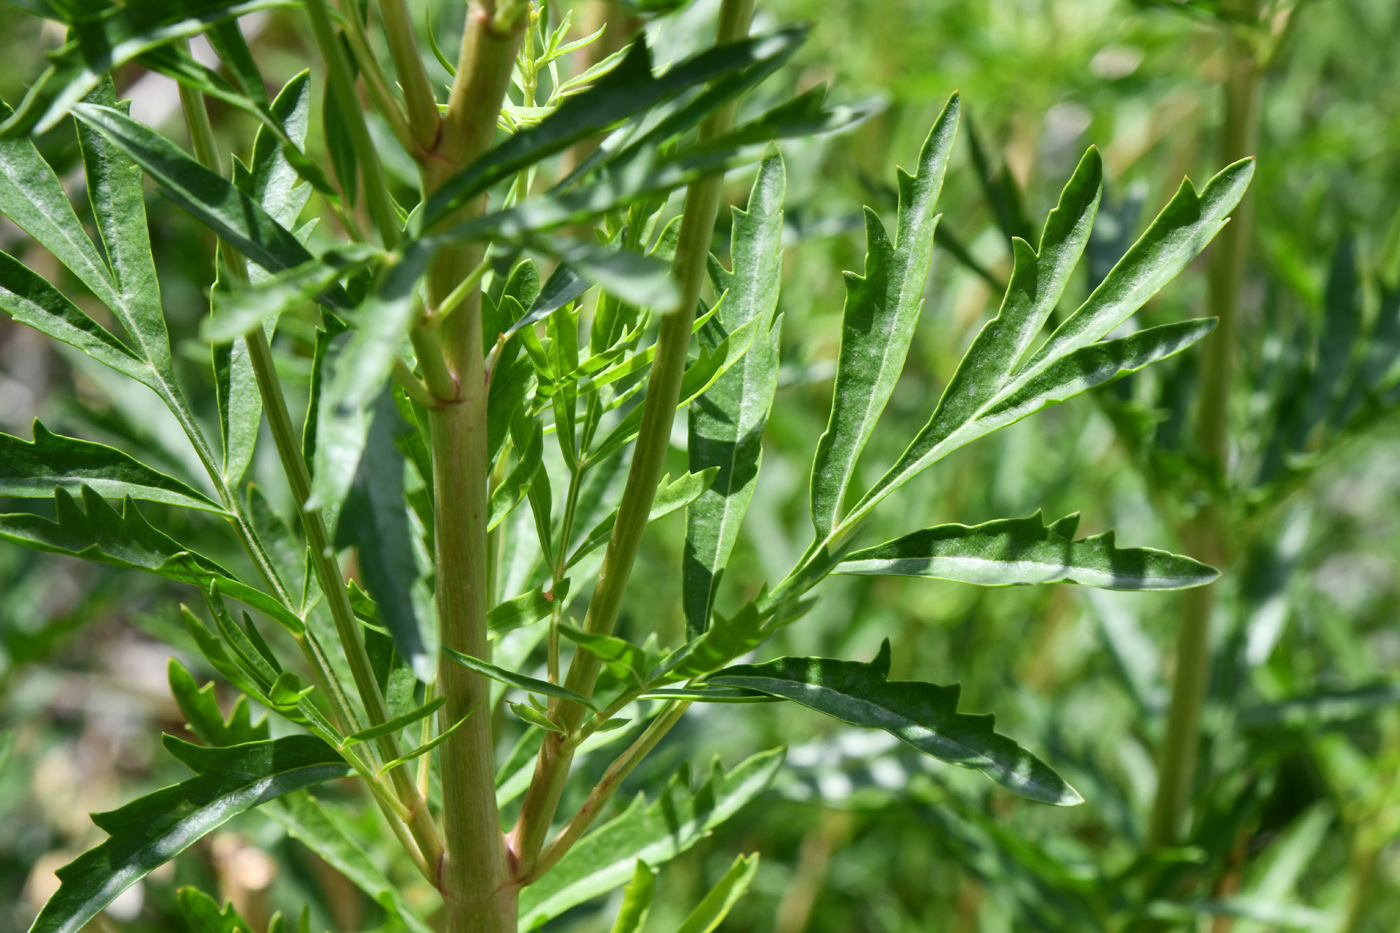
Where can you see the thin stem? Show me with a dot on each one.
(423, 116)
(1206, 533)
(375, 80)
(381, 203)
(413, 387)
(299, 478)
(459, 294)
(603, 791)
(648, 459)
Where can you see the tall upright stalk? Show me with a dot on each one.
(476, 877)
(1206, 535)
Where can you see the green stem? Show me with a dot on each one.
(648, 459)
(375, 80)
(423, 116)
(381, 203)
(475, 878)
(284, 435)
(1206, 533)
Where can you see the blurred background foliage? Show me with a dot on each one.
(1297, 807)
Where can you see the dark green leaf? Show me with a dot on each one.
(322, 831)
(516, 485)
(125, 539)
(148, 832)
(652, 833)
(1026, 550)
(922, 715)
(32, 470)
(201, 710)
(203, 915)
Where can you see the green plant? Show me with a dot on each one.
(441, 358)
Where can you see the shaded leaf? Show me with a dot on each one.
(652, 832)
(154, 829)
(921, 715)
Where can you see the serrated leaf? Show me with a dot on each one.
(636, 900)
(717, 904)
(877, 325)
(115, 191)
(726, 423)
(125, 539)
(653, 832)
(201, 710)
(208, 197)
(154, 829)
(725, 640)
(1183, 228)
(627, 662)
(203, 915)
(669, 498)
(32, 470)
(395, 565)
(921, 715)
(1025, 550)
(321, 830)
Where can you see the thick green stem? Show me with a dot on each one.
(648, 459)
(1207, 532)
(476, 877)
(381, 203)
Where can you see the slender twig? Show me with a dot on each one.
(377, 81)
(423, 116)
(648, 459)
(603, 791)
(381, 203)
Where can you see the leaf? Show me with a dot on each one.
(239, 402)
(528, 714)
(877, 324)
(1025, 550)
(115, 191)
(394, 563)
(624, 660)
(726, 423)
(669, 497)
(244, 307)
(154, 829)
(636, 900)
(101, 43)
(125, 539)
(203, 915)
(285, 551)
(631, 88)
(394, 725)
(208, 197)
(704, 694)
(272, 181)
(1071, 360)
(201, 710)
(339, 144)
(921, 715)
(516, 485)
(32, 470)
(322, 831)
(426, 746)
(520, 681)
(711, 911)
(525, 609)
(27, 298)
(1181, 230)
(653, 833)
(725, 640)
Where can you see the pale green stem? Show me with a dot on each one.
(381, 203)
(423, 116)
(648, 459)
(1207, 532)
(375, 80)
